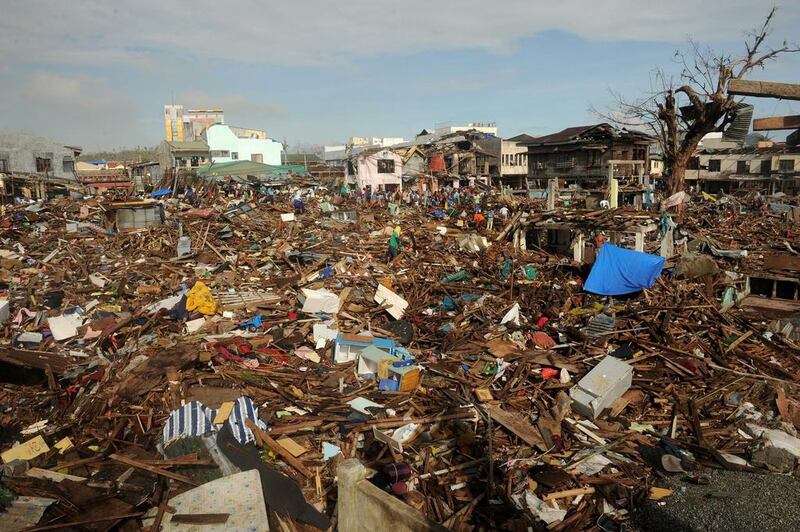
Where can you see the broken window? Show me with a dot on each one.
(234, 155)
(786, 165)
(742, 167)
(766, 167)
(68, 165)
(4, 166)
(714, 165)
(257, 157)
(43, 164)
(385, 166)
(195, 161)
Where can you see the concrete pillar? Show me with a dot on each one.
(639, 241)
(613, 193)
(552, 193)
(348, 474)
(668, 244)
(577, 248)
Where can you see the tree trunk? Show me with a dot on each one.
(677, 181)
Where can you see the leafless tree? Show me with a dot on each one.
(680, 111)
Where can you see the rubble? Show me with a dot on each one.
(253, 349)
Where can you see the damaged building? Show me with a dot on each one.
(375, 169)
(28, 154)
(767, 168)
(587, 155)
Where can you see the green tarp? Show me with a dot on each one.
(247, 168)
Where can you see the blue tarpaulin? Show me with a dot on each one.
(619, 271)
(160, 192)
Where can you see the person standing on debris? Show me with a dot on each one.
(478, 218)
(489, 220)
(648, 197)
(299, 208)
(504, 213)
(394, 245)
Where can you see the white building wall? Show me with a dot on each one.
(477, 126)
(367, 172)
(513, 158)
(220, 138)
(729, 164)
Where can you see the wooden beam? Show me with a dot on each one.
(764, 89)
(776, 122)
(26, 358)
(266, 440)
(152, 469)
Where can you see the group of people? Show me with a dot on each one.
(469, 206)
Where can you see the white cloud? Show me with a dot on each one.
(234, 105)
(147, 32)
(72, 109)
(44, 88)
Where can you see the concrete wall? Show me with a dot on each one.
(21, 152)
(656, 167)
(222, 138)
(729, 164)
(367, 171)
(513, 159)
(365, 508)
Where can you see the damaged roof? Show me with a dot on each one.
(571, 134)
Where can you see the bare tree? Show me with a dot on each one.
(679, 113)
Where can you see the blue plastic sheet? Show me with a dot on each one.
(160, 192)
(619, 271)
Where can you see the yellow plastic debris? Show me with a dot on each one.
(200, 298)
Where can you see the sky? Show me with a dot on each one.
(97, 73)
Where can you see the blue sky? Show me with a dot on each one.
(98, 73)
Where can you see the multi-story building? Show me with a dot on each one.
(767, 168)
(586, 154)
(514, 161)
(188, 124)
(229, 143)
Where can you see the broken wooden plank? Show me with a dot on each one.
(152, 469)
(565, 494)
(267, 440)
(764, 89)
(518, 425)
(772, 123)
(26, 358)
(200, 519)
(782, 262)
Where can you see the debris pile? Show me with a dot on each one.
(164, 364)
